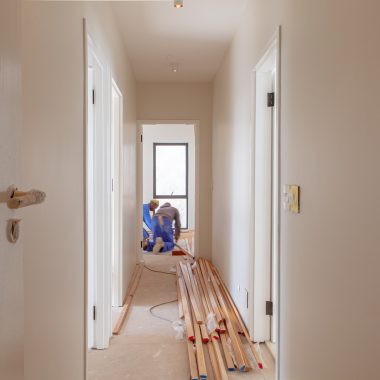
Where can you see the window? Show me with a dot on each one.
(170, 176)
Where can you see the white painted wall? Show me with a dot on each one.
(53, 144)
(169, 133)
(11, 266)
(330, 259)
(186, 102)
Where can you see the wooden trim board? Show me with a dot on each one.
(128, 300)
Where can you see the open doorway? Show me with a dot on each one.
(266, 198)
(168, 176)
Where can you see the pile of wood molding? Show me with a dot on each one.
(214, 327)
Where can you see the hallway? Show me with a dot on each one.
(147, 342)
(284, 99)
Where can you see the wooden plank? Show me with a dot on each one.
(205, 337)
(178, 269)
(178, 253)
(210, 293)
(205, 299)
(204, 333)
(188, 236)
(186, 310)
(235, 338)
(192, 361)
(227, 354)
(199, 351)
(136, 280)
(222, 368)
(214, 362)
(211, 287)
(122, 316)
(193, 301)
(206, 303)
(128, 300)
(180, 307)
(187, 253)
(201, 294)
(242, 350)
(132, 280)
(236, 343)
(222, 328)
(255, 354)
(237, 328)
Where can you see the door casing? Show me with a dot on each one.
(268, 328)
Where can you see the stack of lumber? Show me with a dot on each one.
(215, 330)
(128, 298)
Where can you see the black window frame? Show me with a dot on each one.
(168, 196)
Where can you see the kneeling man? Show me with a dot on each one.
(162, 227)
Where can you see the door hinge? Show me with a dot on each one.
(270, 99)
(269, 308)
(141, 138)
(141, 243)
(112, 185)
(94, 313)
(93, 96)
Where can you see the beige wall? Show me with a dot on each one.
(53, 144)
(330, 146)
(186, 102)
(11, 267)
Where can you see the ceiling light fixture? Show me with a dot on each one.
(178, 4)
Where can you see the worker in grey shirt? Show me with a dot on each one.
(162, 226)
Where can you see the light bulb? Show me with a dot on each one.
(178, 4)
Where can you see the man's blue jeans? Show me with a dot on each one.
(163, 230)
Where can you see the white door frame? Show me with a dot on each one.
(139, 176)
(117, 194)
(98, 200)
(273, 48)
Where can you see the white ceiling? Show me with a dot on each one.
(195, 36)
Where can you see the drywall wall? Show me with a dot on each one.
(53, 144)
(11, 266)
(186, 102)
(330, 146)
(169, 133)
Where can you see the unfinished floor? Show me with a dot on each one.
(147, 349)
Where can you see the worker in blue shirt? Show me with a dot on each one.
(147, 218)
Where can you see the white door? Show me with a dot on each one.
(98, 203)
(266, 205)
(263, 207)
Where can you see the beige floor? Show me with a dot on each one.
(147, 348)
